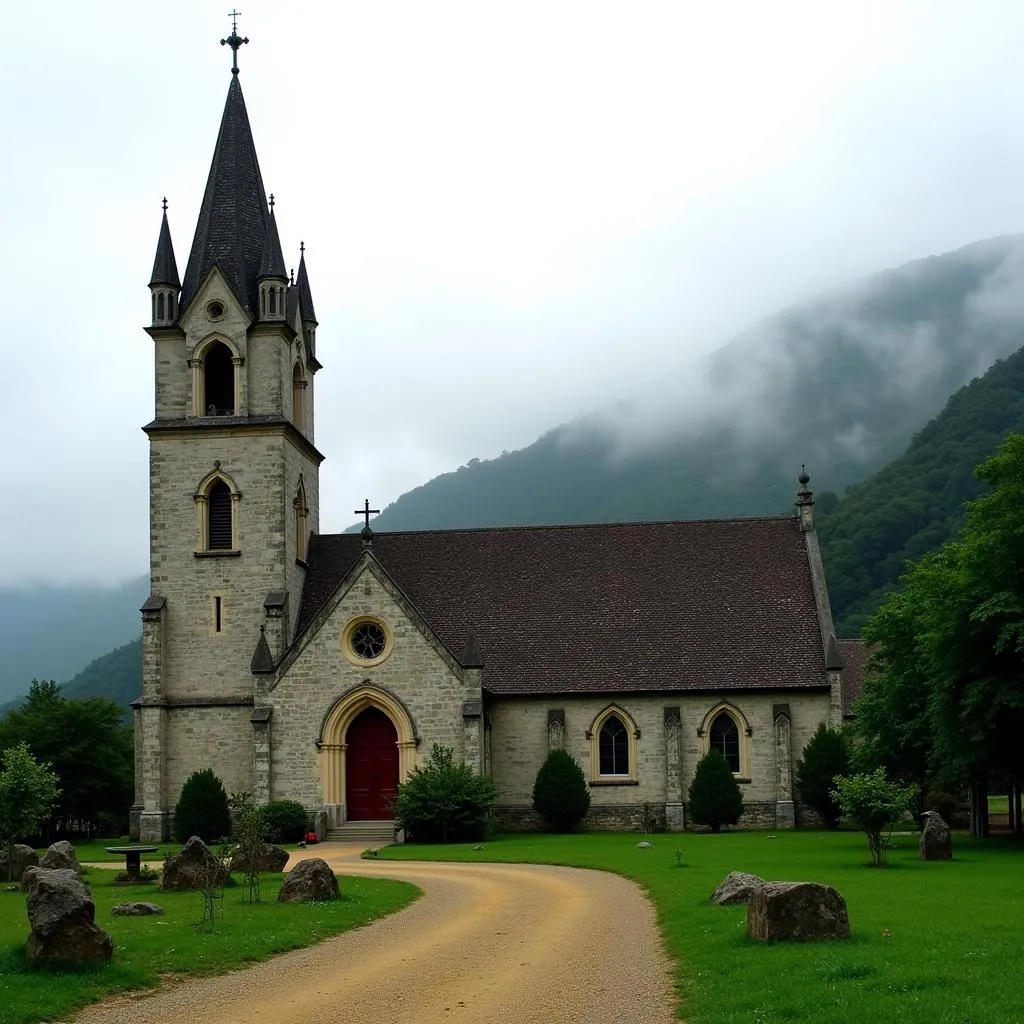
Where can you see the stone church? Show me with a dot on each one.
(322, 668)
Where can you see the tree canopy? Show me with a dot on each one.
(88, 747)
(948, 700)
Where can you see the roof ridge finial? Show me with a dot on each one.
(271, 202)
(302, 248)
(234, 41)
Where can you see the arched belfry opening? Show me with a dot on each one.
(218, 381)
(367, 747)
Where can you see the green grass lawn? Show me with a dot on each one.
(952, 956)
(95, 851)
(999, 804)
(148, 948)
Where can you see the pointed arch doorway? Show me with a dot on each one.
(371, 766)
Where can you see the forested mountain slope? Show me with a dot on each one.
(915, 504)
(840, 383)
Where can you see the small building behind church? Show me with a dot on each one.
(323, 668)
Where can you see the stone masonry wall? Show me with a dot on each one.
(209, 737)
(321, 674)
(519, 744)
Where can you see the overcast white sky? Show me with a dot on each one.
(513, 212)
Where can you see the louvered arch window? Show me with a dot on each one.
(218, 508)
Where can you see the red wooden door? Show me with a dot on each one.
(371, 767)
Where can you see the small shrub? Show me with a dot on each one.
(715, 797)
(825, 756)
(652, 818)
(284, 821)
(873, 804)
(202, 809)
(444, 801)
(560, 793)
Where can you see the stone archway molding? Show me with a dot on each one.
(331, 744)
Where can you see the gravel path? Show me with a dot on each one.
(505, 944)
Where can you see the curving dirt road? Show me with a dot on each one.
(495, 943)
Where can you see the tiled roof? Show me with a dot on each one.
(856, 656)
(723, 604)
(233, 218)
(165, 267)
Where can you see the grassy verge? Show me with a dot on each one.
(148, 949)
(928, 938)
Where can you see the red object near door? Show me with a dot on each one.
(371, 767)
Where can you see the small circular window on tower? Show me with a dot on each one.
(214, 310)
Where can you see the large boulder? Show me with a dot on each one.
(21, 857)
(936, 842)
(194, 868)
(60, 855)
(310, 880)
(796, 912)
(736, 887)
(270, 858)
(62, 917)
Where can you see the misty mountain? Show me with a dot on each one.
(916, 503)
(840, 383)
(50, 632)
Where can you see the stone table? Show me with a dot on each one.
(132, 858)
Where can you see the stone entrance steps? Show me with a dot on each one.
(366, 833)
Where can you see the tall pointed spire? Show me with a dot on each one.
(233, 217)
(165, 267)
(272, 259)
(302, 284)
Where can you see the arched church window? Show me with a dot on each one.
(613, 745)
(218, 509)
(725, 737)
(218, 381)
(160, 306)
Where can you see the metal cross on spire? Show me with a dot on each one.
(366, 512)
(165, 204)
(234, 41)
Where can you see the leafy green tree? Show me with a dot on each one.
(825, 756)
(560, 793)
(874, 804)
(88, 747)
(250, 835)
(28, 790)
(445, 801)
(202, 809)
(715, 797)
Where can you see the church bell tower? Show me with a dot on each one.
(234, 476)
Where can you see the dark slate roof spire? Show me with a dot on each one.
(165, 268)
(233, 218)
(302, 283)
(272, 259)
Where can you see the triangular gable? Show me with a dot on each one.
(367, 563)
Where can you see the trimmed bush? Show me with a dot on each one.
(715, 797)
(202, 809)
(825, 756)
(443, 801)
(560, 793)
(284, 821)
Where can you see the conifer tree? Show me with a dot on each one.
(715, 797)
(560, 793)
(825, 756)
(202, 808)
